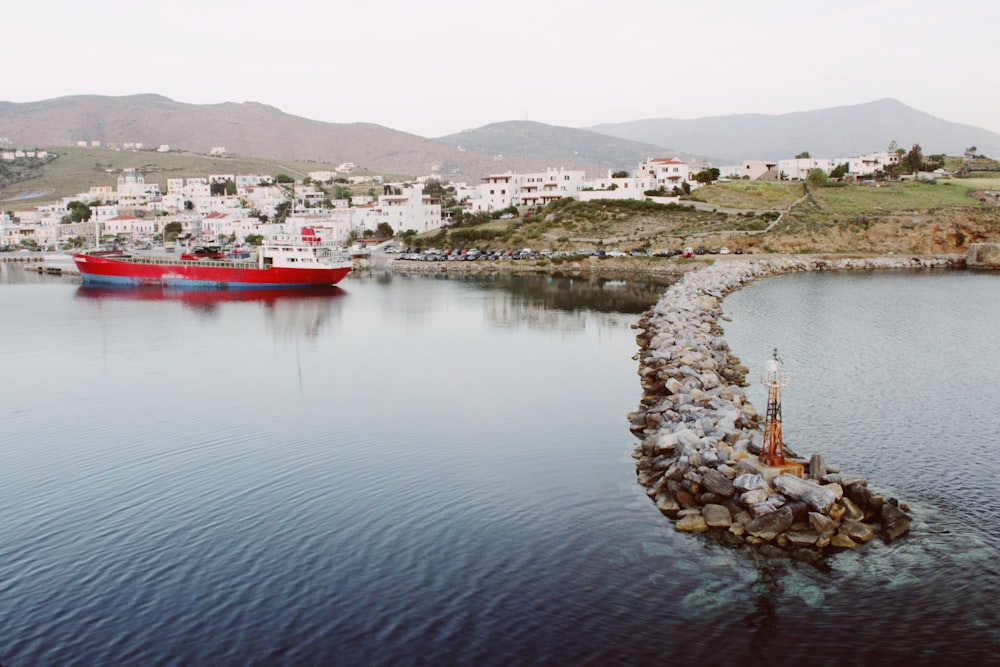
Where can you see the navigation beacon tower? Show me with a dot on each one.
(772, 454)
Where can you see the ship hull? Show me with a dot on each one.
(202, 274)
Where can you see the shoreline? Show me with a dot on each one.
(670, 267)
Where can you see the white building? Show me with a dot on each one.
(796, 169)
(667, 172)
(865, 165)
(323, 176)
(134, 191)
(500, 191)
(410, 209)
(497, 192)
(627, 187)
(750, 170)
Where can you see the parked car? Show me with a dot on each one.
(723, 250)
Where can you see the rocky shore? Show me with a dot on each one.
(700, 436)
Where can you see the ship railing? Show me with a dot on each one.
(220, 263)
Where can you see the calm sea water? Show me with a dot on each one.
(415, 470)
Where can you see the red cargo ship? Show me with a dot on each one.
(278, 265)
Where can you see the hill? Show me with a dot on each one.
(560, 145)
(253, 129)
(73, 170)
(900, 217)
(834, 132)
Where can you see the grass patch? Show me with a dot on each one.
(749, 195)
(892, 197)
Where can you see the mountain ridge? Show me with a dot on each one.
(832, 133)
(257, 129)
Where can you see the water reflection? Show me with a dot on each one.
(291, 311)
(558, 303)
(604, 293)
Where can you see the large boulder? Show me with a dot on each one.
(748, 482)
(817, 467)
(895, 523)
(691, 523)
(718, 483)
(769, 526)
(717, 516)
(857, 531)
(666, 503)
(818, 497)
(687, 438)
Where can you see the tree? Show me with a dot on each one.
(686, 187)
(384, 231)
(171, 230)
(220, 188)
(803, 155)
(281, 211)
(435, 188)
(254, 239)
(705, 176)
(914, 159)
(78, 211)
(935, 161)
(816, 178)
(840, 170)
(283, 178)
(620, 174)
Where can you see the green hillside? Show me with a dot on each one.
(76, 170)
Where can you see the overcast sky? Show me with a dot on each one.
(435, 67)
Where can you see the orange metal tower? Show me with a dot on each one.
(775, 379)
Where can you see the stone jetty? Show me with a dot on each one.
(700, 436)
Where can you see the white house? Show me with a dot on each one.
(627, 187)
(667, 172)
(410, 209)
(796, 169)
(500, 191)
(864, 165)
(497, 192)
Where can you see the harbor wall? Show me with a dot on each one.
(700, 436)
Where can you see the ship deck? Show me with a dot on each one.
(172, 261)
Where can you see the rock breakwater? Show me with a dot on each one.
(701, 436)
